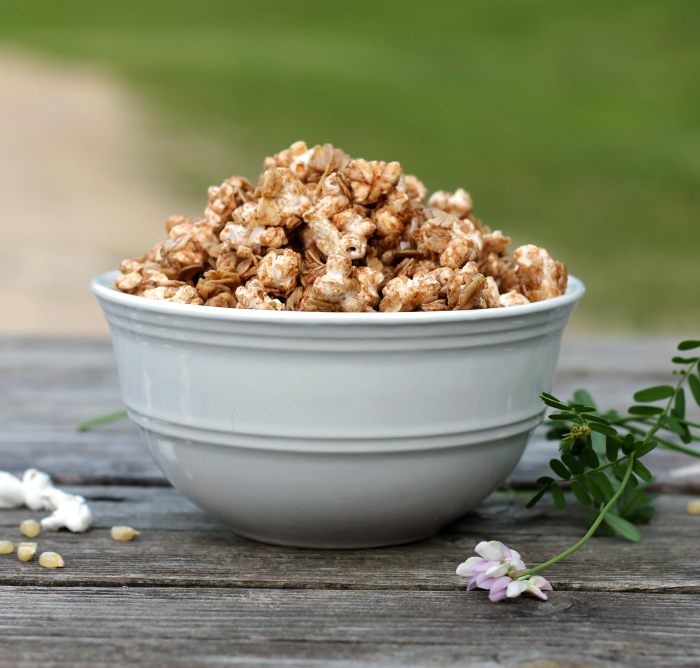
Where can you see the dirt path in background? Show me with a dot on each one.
(76, 195)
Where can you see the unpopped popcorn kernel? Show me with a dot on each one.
(124, 533)
(25, 553)
(32, 545)
(694, 507)
(6, 547)
(51, 560)
(30, 528)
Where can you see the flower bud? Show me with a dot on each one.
(6, 547)
(30, 528)
(694, 507)
(124, 533)
(51, 560)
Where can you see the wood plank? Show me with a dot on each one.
(182, 546)
(48, 386)
(178, 627)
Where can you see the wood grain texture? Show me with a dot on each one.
(48, 386)
(189, 592)
(180, 545)
(255, 627)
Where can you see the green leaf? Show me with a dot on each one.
(587, 409)
(612, 445)
(545, 480)
(595, 418)
(642, 471)
(679, 404)
(672, 424)
(555, 404)
(564, 415)
(605, 485)
(603, 429)
(536, 497)
(619, 470)
(694, 383)
(645, 410)
(598, 442)
(581, 494)
(645, 449)
(559, 469)
(628, 444)
(688, 345)
(622, 526)
(632, 482)
(590, 458)
(630, 500)
(573, 464)
(594, 489)
(558, 497)
(584, 397)
(654, 394)
(684, 360)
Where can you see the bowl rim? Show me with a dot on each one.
(103, 287)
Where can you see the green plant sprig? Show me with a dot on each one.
(586, 435)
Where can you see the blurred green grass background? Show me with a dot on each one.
(575, 126)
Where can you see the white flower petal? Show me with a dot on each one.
(490, 551)
(465, 568)
(514, 556)
(518, 566)
(516, 588)
(497, 571)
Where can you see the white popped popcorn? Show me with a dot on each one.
(69, 511)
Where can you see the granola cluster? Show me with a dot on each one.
(324, 232)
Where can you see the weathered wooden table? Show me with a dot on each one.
(188, 592)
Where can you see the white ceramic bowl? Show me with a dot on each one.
(335, 430)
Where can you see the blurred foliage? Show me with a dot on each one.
(575, 126)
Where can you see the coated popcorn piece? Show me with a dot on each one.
(495, 242)
(343, 288)
(308, 164)
(390, 250)
(253, 296)
(370, 180)
(458, 204)
(282, 199)
(278, 272)
(490, 296)
(187, 295)
(131, 277)
(465, 290)
(415, 188)
(408, 294)
(513, 299)
(400, 294)
(540, 276)
(502, 269)
(393, 214)
(455, 241)
(223, 200)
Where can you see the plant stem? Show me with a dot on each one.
(593, 528)
(623, 484)
(102, 419)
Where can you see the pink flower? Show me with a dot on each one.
(497, 569)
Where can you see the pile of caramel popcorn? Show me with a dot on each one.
(324, 232)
